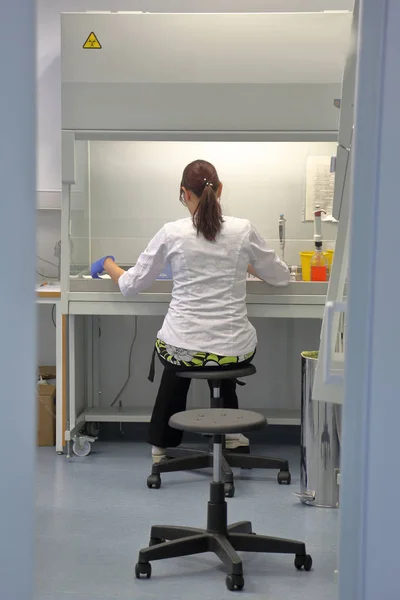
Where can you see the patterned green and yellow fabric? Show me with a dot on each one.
(192, 358)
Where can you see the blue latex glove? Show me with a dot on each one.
(97, 267)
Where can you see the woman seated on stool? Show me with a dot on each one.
(206, 324)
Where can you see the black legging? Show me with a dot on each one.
(171, 399)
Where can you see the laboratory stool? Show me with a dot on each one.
(219, 537)
(182, 459)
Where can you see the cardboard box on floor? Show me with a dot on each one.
(47, 372)
(46, 418)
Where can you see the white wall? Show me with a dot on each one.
(48, 225)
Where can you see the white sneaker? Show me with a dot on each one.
(236, 440)
(158, 454)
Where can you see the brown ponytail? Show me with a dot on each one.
(201, 178)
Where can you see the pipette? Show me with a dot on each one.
(282, 234)
(318, 226)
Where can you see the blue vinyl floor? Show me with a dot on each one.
(93, 514)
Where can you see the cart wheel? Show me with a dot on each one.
(81, 447)
(93, 429)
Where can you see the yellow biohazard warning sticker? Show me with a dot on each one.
(92, 43)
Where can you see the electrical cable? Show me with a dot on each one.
(46, 276)
(46, 261)
(117, 397)
(52, 315)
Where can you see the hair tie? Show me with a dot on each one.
(207, 182)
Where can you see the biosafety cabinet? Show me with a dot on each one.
(144, 94)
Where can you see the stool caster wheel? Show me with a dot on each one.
(229, 490)
(143, 569)
(284, 477)
(303, 561)
(156, 541)
(154, 481)
(234, 582)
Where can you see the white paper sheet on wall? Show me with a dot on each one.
(320, 184)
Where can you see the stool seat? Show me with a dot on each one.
(217, 421)
(218, 373)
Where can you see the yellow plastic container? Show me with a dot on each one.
(305, 259)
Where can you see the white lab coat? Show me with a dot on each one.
(208, 310)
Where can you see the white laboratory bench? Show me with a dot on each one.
(100, 297)
(90, 298)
